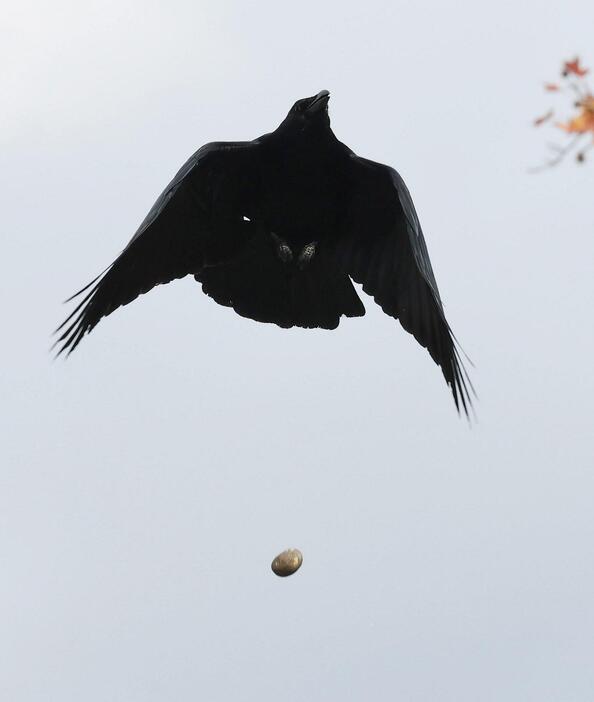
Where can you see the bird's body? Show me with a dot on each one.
(309, 207)
(278, 228)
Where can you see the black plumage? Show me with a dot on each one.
(277, 228)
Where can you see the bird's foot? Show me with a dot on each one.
(307, 254)
(283, 250)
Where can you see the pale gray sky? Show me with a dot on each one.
(138, 519)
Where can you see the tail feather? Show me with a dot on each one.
(259, 286)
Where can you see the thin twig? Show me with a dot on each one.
(561, 153)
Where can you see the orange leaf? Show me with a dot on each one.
(584, 121)
(574, 67)
(581, 124)
(552, 87)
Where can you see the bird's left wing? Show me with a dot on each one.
(385, 251)
(195, 221)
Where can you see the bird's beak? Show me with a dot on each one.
(319, 102)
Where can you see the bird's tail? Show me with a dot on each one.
(258, 285)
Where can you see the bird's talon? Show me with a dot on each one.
(284, 253)
(307, 254)
(283, 250)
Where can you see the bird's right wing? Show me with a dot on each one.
(198, 219)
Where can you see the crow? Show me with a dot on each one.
(278, 228)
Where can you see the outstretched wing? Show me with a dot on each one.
(385, 251)
(195, 221)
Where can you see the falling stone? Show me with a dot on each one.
(287, 562)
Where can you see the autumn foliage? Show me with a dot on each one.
(579, 124)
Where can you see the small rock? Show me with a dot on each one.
(287, 562)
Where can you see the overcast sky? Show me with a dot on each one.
(148, 481)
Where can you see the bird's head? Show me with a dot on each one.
(310, 113)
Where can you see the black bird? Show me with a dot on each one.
(278, 228)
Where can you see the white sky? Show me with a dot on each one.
(148, 482)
